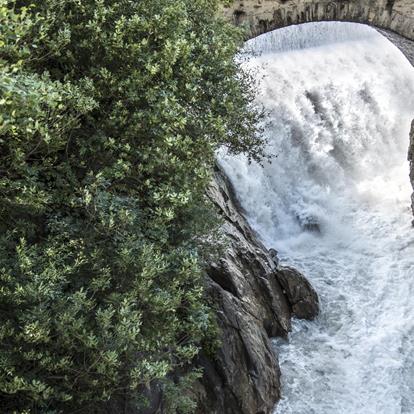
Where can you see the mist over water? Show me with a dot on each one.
(335, 204)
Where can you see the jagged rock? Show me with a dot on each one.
(254, 300)
(309, 223)
(302, 297)
(273, 254)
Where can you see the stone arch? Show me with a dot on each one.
(261, 16)
(393, 18)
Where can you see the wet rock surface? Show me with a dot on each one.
(411, 159)
(301, 296)
(255, 299)
(309, 223)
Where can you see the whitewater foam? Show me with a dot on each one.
(340, 99)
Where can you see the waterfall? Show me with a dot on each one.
(335, 203)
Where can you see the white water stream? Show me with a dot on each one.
(340, 99)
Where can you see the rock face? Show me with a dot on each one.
(411, 159)
(255, 299)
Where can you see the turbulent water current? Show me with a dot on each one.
(335, 203)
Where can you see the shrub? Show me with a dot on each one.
(111, 113)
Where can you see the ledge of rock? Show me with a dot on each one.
(254, 299)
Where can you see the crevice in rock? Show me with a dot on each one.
(389, 6)
(219, 276)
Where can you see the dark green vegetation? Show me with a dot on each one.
(110, 114)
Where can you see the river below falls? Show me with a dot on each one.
(335, 203)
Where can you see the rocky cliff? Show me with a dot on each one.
(255, 299)
(411, 159)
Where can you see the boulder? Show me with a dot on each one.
(303, 300)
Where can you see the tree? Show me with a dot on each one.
(111, 113)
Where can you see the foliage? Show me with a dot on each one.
(111, 113)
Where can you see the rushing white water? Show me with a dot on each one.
(340, 99)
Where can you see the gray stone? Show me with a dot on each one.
(254, 300)
(309, 223)
(302, 297)
(273, 254)
(411, 159)
(261, 16)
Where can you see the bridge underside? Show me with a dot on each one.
(393, 18)
(261, 16)
(405, 45)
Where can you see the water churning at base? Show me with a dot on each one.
(335, 204)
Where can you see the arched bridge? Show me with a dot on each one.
(262, 16)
